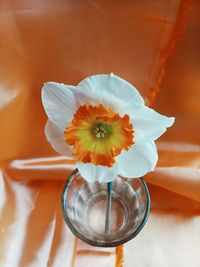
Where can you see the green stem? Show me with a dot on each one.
(108, 208)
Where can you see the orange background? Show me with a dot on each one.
(152, 44)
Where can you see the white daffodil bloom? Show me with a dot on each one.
(104, 124)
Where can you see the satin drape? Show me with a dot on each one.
(152, 44)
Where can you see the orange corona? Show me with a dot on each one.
(98, 135)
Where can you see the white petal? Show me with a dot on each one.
(138, 160)
(149, 124)
(55, 137)
(93, 173)
(130, 109)
(59, 103)
(108, 89)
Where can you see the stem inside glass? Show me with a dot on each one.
(108, 208)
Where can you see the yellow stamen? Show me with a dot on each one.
(101, 130)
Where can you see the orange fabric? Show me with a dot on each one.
(152, 44)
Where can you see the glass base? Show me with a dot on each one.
(96, 214)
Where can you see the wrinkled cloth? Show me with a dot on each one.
(152, 44)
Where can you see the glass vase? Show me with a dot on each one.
(105, 214)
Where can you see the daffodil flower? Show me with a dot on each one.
(104, 124)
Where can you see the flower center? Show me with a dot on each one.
(101, 130)
(98, 135)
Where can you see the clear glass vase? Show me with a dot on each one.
(103, 220)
